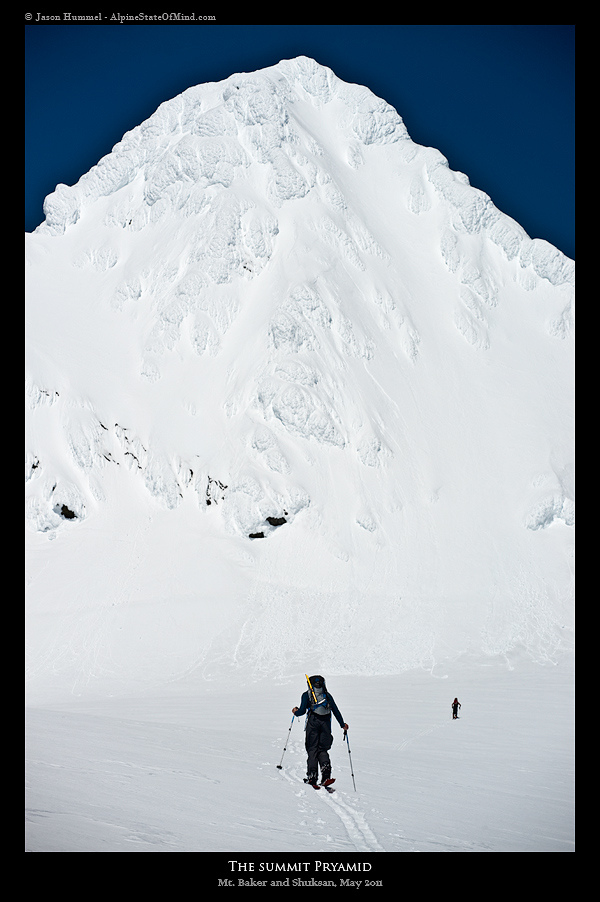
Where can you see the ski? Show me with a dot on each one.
(326, 784)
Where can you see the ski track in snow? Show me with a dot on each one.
(354, 821)
(403, 745)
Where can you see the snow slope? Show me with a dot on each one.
(299, 399)
(197, 771)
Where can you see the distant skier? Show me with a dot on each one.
(319, 704)
(455, 706)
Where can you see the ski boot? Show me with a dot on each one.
(312, 780)
(326, 778)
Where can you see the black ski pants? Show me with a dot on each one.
(318, 741)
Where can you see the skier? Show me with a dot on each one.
(455, 706)
(319, 704)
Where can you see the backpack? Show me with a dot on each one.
(318, 703)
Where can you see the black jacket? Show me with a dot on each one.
(304, 706)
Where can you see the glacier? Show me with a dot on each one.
(299, 398)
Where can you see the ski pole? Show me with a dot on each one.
(286, 742)
(350, 757)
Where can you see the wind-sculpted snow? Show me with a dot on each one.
(548, 262)
(546, 512)
(183, 143)
(212, 137)
(281, 356)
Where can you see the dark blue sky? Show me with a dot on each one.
(497, 100)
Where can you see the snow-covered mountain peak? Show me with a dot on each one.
(210, 134)
(268, 313)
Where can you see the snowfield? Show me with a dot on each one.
(299, 399)
(196, 770)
